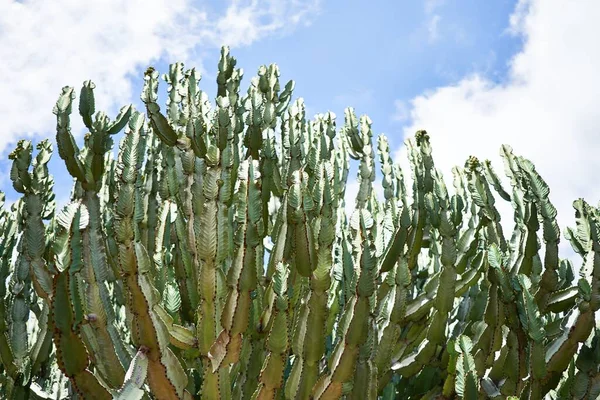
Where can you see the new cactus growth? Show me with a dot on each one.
(213, 259)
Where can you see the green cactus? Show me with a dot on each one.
(213, 259)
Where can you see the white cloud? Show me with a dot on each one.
(432, 23)
(432, 5)
(547, 109)
(246, 22)
(433, 27)
(47, 45)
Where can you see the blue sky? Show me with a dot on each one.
(369, 54)
(474, 73)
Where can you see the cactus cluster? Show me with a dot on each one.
(213, 258)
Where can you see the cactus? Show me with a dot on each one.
(213, 259)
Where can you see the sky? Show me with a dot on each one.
(475, 74)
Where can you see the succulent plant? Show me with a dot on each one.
(213, 258)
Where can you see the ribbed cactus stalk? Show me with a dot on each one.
(213, 258)
(30, 277)
(68, 315)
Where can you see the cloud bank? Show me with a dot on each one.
(45, 45)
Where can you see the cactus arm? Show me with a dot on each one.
(589, 234)
(277, 342)
(484, 201)
(186, 262)
(107, 348)
(30, 270)
(37, 188)
(562, 300)
(87, 103)
(420, 154)
(355, 323)
(40, 351)
(135, 377)
(8, 230)
(241, 279)
(299, 200)
(446, 291)
(400, 300)
(149, 195)
(388, 181)
(268, 86)
(196, 127)
(226, 68)
(391, 218)
(100, 334)
(72, 356)
(67, 148)
(313, 343)
(467, 385)
(210, 284)
(399, 239)
(165, 375)
(494, 180)
(560, 350)
(179, 336)
(160, 124)
(586, 382)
